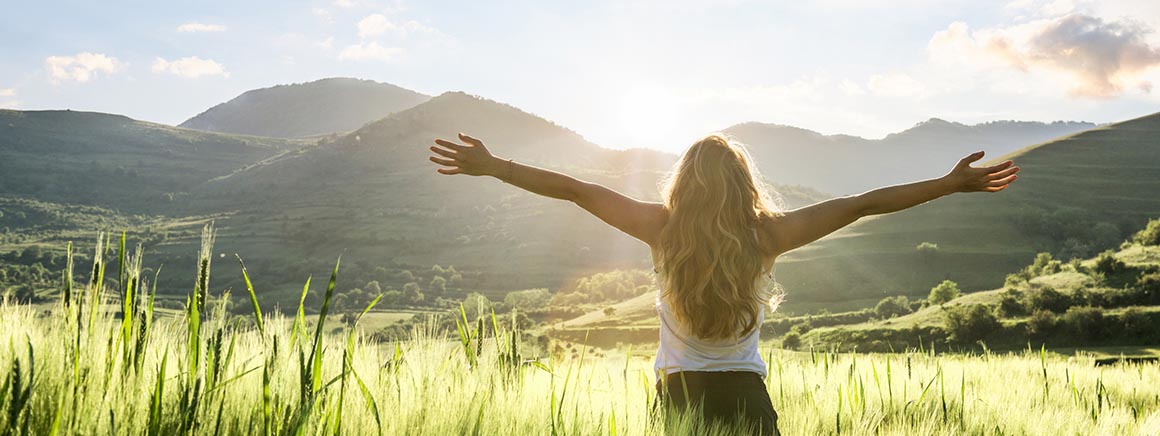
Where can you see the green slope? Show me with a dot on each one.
(1075, 196)
(114, 161)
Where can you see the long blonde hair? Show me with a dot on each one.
(710, 260)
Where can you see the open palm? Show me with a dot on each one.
(995, 178)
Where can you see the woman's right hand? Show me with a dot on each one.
(473, 159)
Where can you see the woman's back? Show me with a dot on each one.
(682, 350)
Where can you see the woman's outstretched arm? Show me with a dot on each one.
(639, 219)
(802, 226)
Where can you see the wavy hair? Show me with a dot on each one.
(710, 260)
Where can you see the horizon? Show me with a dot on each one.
(623, 75)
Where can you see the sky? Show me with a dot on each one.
(631, 73)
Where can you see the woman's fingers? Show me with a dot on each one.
(998, 167)
(996, 188)
(1002, 174)
(443, 152)
(449, 171)
(444, 162)
(451, 145)
(470, 140)
(1001, 182)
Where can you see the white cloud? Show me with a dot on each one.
(323, 15)
(374, 25)
(9, 92)
(895, 85)
(191, 67)
(851, 88)
(325, 44)
(1093, 57)
(372, 51)
(81, 67)
(200, 27)
(343, 3)
(378, 24)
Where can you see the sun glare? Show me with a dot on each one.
(646, 111)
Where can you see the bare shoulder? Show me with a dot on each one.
(769, 234)
(656, 216)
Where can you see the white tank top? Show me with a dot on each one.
(681, 350)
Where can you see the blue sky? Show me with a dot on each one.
(621, 73)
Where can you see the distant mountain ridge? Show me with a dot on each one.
(844, 164)
(116, 162)
(325, 106)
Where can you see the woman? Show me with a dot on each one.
(713, 240)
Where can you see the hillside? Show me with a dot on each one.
(1076, 196)
(113, 161)
(843, 164)
(334, 105)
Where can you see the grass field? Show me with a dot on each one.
(75, 370)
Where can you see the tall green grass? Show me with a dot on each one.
(102, 362)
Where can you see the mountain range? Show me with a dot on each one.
(364, 189)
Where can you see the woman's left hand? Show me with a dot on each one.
(965, 178)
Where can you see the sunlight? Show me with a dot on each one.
(647, 109)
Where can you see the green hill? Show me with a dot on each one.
(115, 162)
(843, 164)
(335, 105)
(1075, 196)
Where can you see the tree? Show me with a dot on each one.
(1047, 298)
(528, 299)
(944, 292)
(970, 323)
(1011, 304)
(374, 288)
(892, 306)
(1085, 321)
(412, 293)
(609, 311)
(1150, 235)
(791, 341)
(1108, 265)
(438, 285)
(1041, 324)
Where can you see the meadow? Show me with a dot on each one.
(101, 362)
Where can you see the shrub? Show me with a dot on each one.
(1138, 326)
(791, 341)
(1108, 265)
(1085, 321)
(1041, 324)
(1014, 280)
(944, 292)
(1148, 288)
(1043, 264)
(1047, 298)
(927, 248)
(1150, 235)
(1011, 304)
(801, 328)
(892, 306)
(970, 323)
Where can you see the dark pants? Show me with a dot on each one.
(721, 397)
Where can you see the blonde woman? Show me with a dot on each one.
(714, 238)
